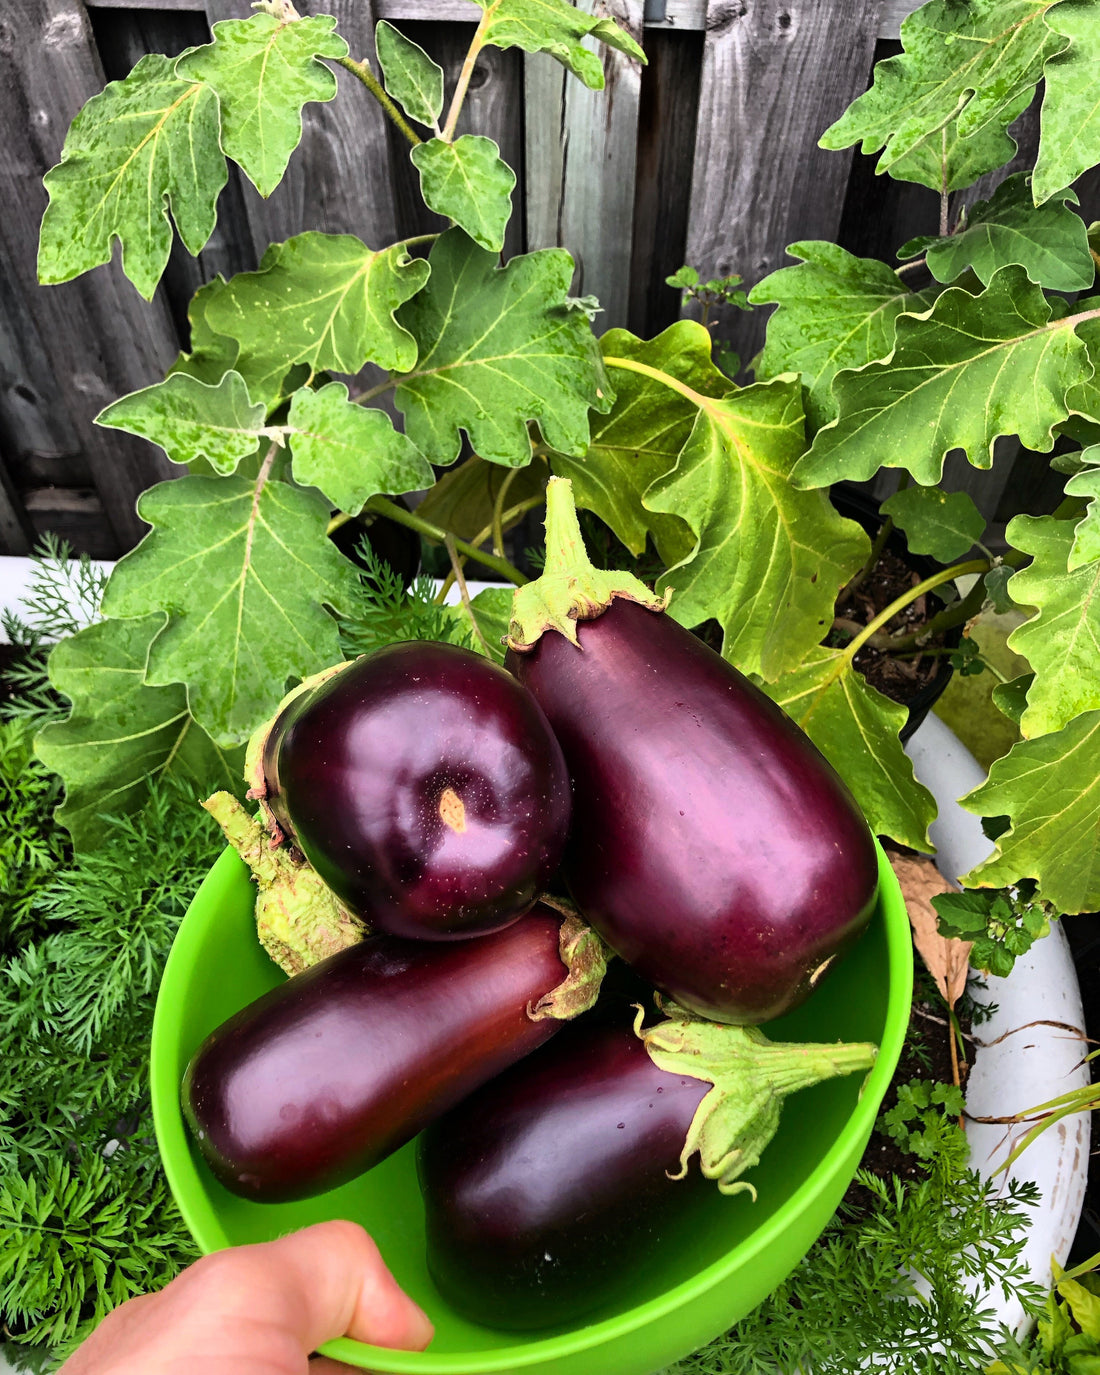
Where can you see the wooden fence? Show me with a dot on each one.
(708, 155)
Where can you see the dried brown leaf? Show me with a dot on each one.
(947, 960)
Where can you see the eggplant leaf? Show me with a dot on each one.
(640, 438)
(1050, 242)
(351, 452)
(835, 311)
(942, 524)
(973, 64)
(498, 347)
(245, 573)
(469, 182)
(948, 161)
(964, 372)
(264, 69)
(464, 499)
(1069, 131)
(212, 354)
(1062, 641)
(121, 734)
(1086, 534)
(140, 147)
(410, 75)
(1049, 788)
(558, 28)
(856, 728)
(325, 301)
(768, 559)
(192, 420)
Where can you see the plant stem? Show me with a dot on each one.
(910, 267)
(476, 44)
(371, 82)
(944, 221)
(464, 593)
(900, 603)
(384, 507)
(498, 509)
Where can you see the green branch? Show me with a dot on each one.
(476, 45)
(371, 82)
(900, 603)
(384, 507)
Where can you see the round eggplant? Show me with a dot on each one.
(543, 1188)
(713, 846)
(425, 787)
(327, 1074)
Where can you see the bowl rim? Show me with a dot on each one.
(175, 1151)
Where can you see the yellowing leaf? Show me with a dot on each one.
(856, 729)
(947, 960)
(1062, 641)
(1049, 788)
(768, 560)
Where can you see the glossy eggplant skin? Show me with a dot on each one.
(713, 847)
(425, 787)
(541, 1187)
(327, 1074)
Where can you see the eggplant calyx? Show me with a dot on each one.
(585, 957)
(571, 588)
(254, 750)
(750, 1076)
(299, 920)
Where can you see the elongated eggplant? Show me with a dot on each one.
(425, 787)
(543, 1188)
(333, 1070)
(713, 846)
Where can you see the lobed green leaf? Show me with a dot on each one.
(856, 729)
(192, 420)
(967, 370)
(1049, 788)
(836, 311)
(122, 734)
(942, 524)
(244, 572)
(768, 559)
(141, 147)
(558, 28)
(263, 70)
(498, 347)
(1086, 534)
(1069, 133)
(1050, 242)
(350, 452)
(318, 302)
(469, 182)
(949, 161)
(1061, 641)
(640, 438)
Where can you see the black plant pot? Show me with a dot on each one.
(858, 506)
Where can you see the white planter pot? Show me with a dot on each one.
(1029, 1062)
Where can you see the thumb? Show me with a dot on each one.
(332, 1282)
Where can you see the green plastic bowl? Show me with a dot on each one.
(685, 1295)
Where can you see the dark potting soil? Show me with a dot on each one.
(899, 678)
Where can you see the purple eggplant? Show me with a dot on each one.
(424, 786)
(549, 1188)
(713, 846)
(330, 1072)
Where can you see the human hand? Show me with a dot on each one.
(259, 1310)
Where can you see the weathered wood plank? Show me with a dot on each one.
(75, 514)
(666, 144)
(491, 108)
(16, 532)
(99, 338)
(339, 178)
(891, 15)
(582, 149)
(175, 6)
(775, 74)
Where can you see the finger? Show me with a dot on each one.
(332, 1282)
(323, 1365)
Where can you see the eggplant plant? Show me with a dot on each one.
(985, 329)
